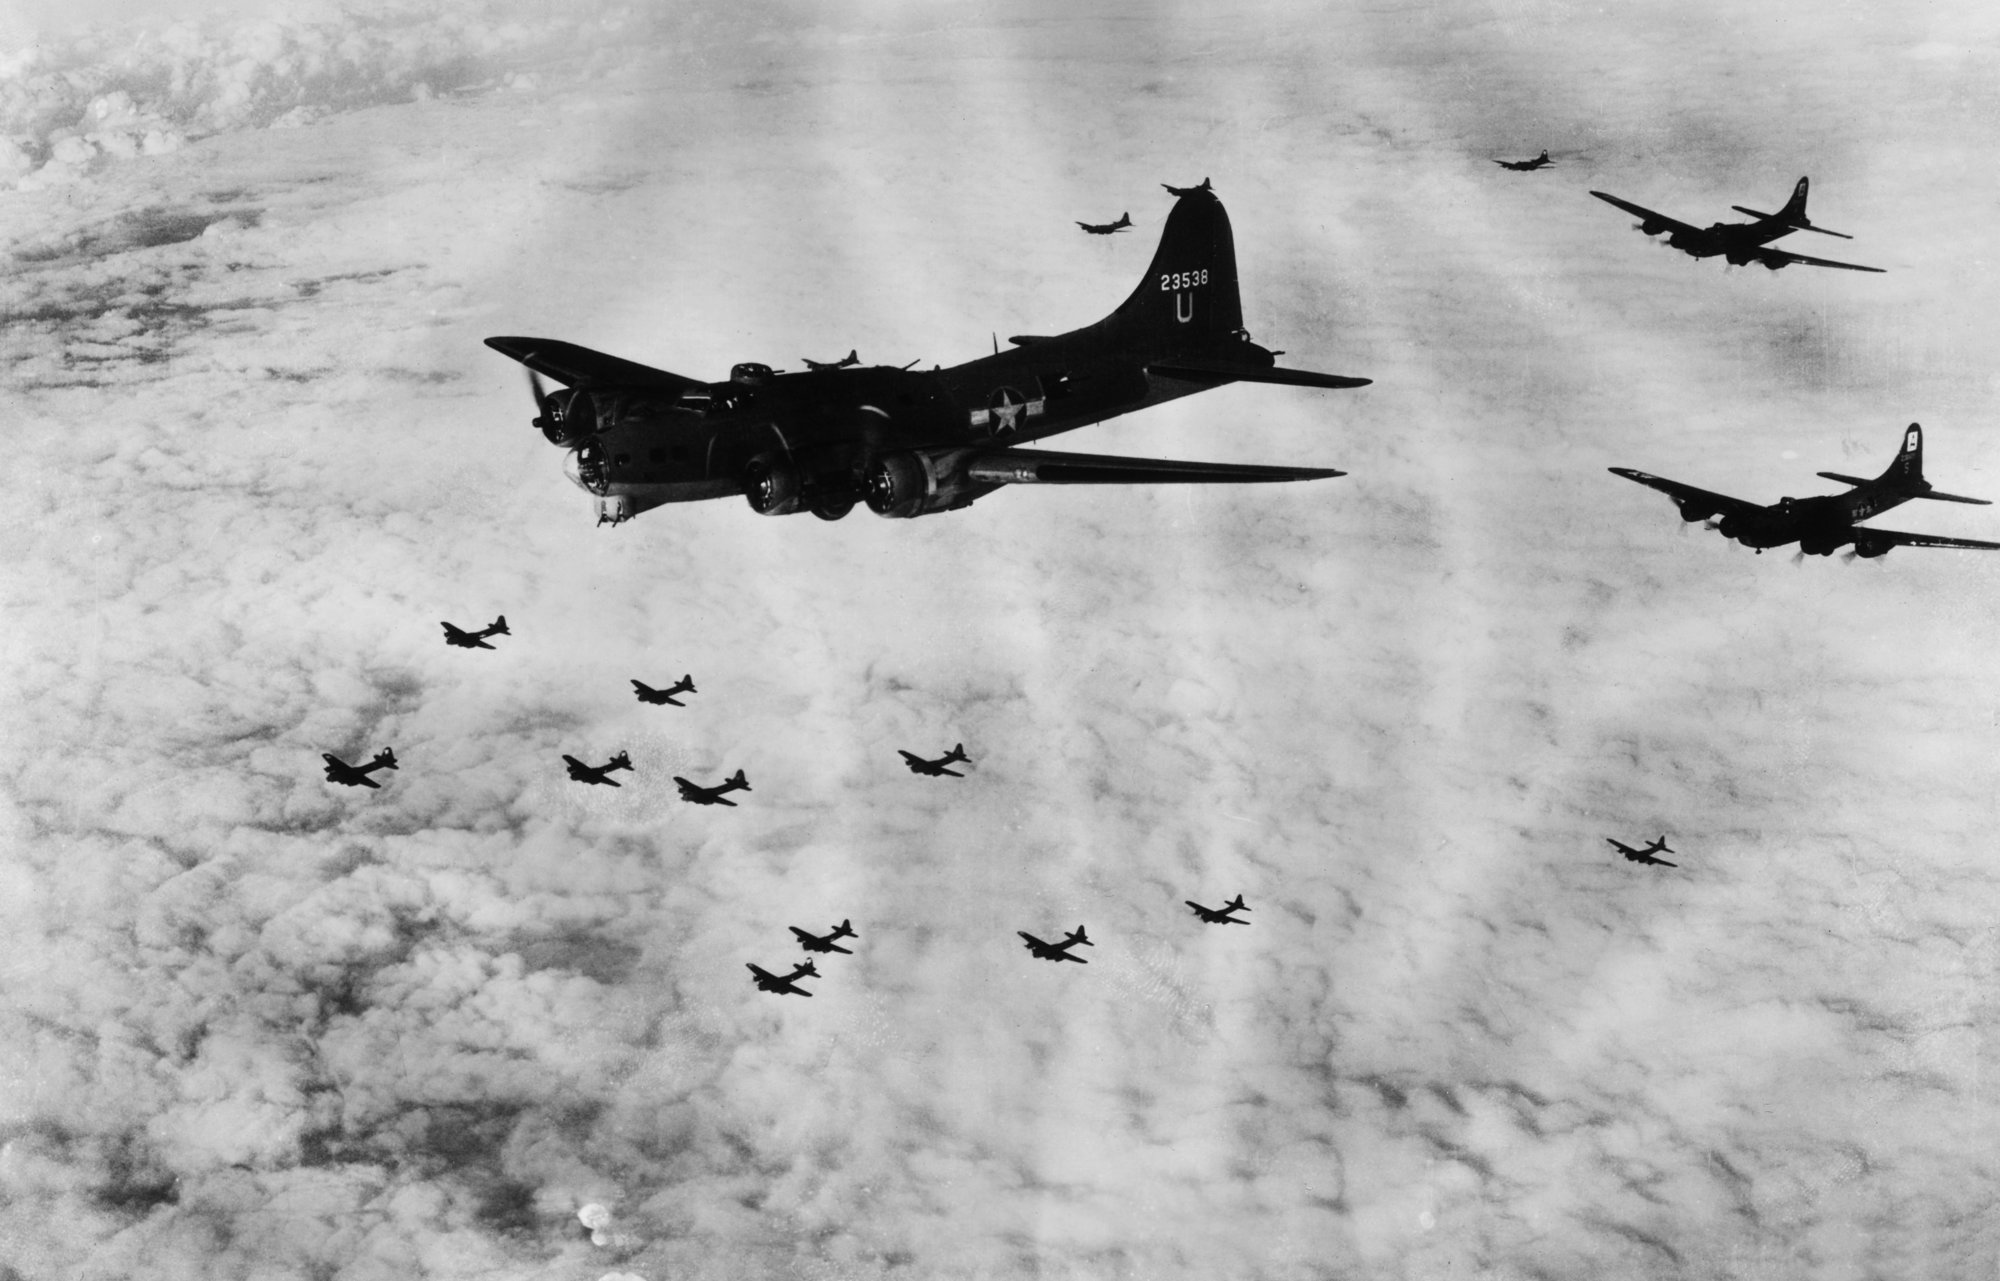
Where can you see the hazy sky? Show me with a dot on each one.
(256, 1026)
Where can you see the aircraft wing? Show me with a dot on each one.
(1043, 467)
(1666, 223)
(1718, 504)
(1779, 258)
(1897, 538)
(577, 366)
(366, 781)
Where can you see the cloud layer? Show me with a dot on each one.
(488, 1023)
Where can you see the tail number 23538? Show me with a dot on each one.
(1172, 280)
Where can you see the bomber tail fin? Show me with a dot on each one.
(1188, 301)
(386, 758)
(1794, 213)
(499, 627)
(737, 780)
(842, 931)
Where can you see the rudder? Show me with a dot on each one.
(1188, 300)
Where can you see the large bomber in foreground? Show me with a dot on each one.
(914, 443)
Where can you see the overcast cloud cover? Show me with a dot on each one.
(255, 1026)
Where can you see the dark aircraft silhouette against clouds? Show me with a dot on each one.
(1172, 190)
(1107, 228)
(815, 943)
(852, 357)
(910, 442)
(787, 984)
(1219, 915)
(918, 765)
(700, 795)
(1823, 524)
(339, 771)
(647, 694)
(1057, 951)
(597, 775)
(1739, 242)
(1525, 166)
(1646, 855)
(476, 640)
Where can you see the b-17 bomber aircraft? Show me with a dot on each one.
(597, 775)
(647, 694)
(1172, 190)
(1124, 223)
(852, 357)
(339, 771)
(1057, 951)
(700, 795)
(1527, 166)
(1741, 243)
(476, 640)
(1646, 855)
(1220, 915)
(913, 442)
(918, 765)
(1823, 524)
(829, 943)
(783, 984)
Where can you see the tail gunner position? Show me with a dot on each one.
(914, 443)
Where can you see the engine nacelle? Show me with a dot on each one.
(1693, 510)
(1652, 226)
(1737, 259)
(1870, 548)
(1729, 526)
(568, 417)
(772, 486)
(913, 484)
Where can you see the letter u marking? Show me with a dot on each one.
(1184, 307)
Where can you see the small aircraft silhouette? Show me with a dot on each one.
(1219, 915)
(1106, 228)
(1646, 855)
(339, 771)
(1739, 242)
(1524, 166)
(596, 774)
(1186, 191)
(647, 694)
(814, 943)
(918, 765)
(852, 357)
(1823, 524)
(475, 640)
(915, 443)
(713, 795)
(1057, 951)
(787, 984)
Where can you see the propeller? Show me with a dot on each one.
(1847, 557)
(541, 396)
(1798, 558)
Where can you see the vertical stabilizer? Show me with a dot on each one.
(1188, 301)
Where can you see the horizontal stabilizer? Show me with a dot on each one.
(1039, 467)
(1797, 226)
(1935, 495)
(1220, 371)
(1026, 340)
(576, 366)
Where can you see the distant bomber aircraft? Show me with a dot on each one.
(1739, 242)
(788, 984)
(597, 774)
(1524, 166)
(1823, 524)
(713, 795)
(917, 442)
(918, 765)
(339, 771)
(1172, 190)
(476, 640)
(1646, 855)
(647, 694)
(814, 943)
(1106, 228)
(1057, 951)
(1219, 915)
(852, 357)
